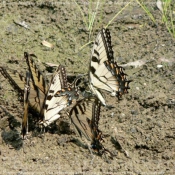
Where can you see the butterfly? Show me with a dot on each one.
(85, 117)
(55, 97)
(104, 73)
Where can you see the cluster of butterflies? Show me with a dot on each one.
(49, 99)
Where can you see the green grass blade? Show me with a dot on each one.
(84, 19)
(93, 17)
(146, 10)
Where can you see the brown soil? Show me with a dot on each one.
(140, 129)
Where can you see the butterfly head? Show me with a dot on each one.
(96, 146)
(100, 149)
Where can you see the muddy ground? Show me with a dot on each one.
(140, 130)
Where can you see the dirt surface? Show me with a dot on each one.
(140, 130)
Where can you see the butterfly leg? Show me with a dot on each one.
(90, 150)
(42, 132)
(92, 155)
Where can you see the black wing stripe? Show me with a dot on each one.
(37, 77)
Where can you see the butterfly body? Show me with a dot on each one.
(26, 102)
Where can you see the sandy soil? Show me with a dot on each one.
(140, 129)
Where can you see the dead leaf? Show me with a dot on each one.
(47, 44)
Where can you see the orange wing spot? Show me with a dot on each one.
(117, 71)
(112, 66)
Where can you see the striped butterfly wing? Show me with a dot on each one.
(54, 104)
(104, 73)
(85, 117)
(26, 103)
(39, 83)
(59, 96)
(37, 77)
(123, 83)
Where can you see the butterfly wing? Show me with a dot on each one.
(38, 78)
(54, 104)
(104, 73)
(26, 101)
(38, 83)
(85, 115)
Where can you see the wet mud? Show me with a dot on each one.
(139, 130)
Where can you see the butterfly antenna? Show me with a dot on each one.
(90, 149)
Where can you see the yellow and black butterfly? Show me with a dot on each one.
(55, 97)
(85, 116)
(104, 73)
